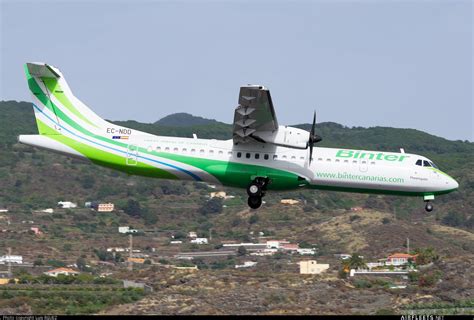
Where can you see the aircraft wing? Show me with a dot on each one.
(254, 115)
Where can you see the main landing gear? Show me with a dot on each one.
(428, 207)
(256, 191)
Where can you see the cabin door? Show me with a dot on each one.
(363, 166)
(132, 155)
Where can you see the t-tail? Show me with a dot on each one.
(65, 124)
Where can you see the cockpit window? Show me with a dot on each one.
(426, 163)
(419, 162)
(433, 165)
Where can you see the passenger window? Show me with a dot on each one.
(337, 160)
(275, 157)
(346, 161)
(185, 150)
(257, 155)
(211, 151)
(419, 162)
(167, 149)
(265, 157)
(426, 163)
(293, 157)
(229, 153)
(328, 159)
(221, 153)
(301, 158)
(158, 148)
(193, 151)
(284, 157)
(373, 162)
(175, 149)
(320, 159)
(201, 151)
(239, 154)
(247, 155)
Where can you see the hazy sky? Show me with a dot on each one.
(404, 64)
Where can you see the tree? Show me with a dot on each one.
(103, 255)
(242, 251)
(81, 264)
(38, 262)
(253, 219)
(211, 206)
(454, 219)
(425, 255)
(88, 182)
(132, 208)
(149, 216)
(355, 262)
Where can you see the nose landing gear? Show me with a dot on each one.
(428, 207)
(256, 191)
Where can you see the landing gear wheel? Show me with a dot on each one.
(428, 207)
(254, 202)
(254, 190)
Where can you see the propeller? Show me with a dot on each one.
(313, 138)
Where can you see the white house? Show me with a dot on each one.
(264, 252)
(306, 251)
(11, 258)
(127, 230)
(312, 267)
(192, 234)
(116, 249)
(275, 244)
(49, 210)
(199, 241)
(247, 264)
(66, 204)
(63, 271)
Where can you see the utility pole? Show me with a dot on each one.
(210, 234)
(130, 264)
(408, 245)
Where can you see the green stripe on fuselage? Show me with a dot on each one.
(240, 175)
(110, 160)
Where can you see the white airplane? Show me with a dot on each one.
(262, 155)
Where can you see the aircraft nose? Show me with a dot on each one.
(454, 184)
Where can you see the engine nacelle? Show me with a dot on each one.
(286, 136)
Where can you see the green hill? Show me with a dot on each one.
(184, 120)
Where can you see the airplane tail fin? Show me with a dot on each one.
(55, 106)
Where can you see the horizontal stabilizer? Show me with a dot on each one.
(42, 70)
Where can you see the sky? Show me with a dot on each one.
(404, 64)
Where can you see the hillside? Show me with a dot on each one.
(32, 179)
(455, 157)
(184, 120)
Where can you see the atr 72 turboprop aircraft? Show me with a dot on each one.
(261, 156)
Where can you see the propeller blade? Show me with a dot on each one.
(313, 138)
